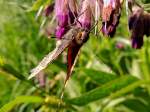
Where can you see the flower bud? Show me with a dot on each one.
(49, 9)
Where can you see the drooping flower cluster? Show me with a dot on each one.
(76, 19)
(110, 16)
(139, 25)
(83, 13)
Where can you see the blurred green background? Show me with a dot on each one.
(109, 75)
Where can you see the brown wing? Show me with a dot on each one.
(60, 47)
(73, 51)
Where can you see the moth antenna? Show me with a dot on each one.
(93, 27)
(76, 19)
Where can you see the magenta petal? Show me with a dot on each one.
(86, 15)
(62, 20)
(60, 32)
(86, 24)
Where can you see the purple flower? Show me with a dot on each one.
(65, 11)
(60, 31)
(61, 12)
(86, 15)
(110, 16)
(137, 27)
(73, 10)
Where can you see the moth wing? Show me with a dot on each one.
(73, 51)
(60, 47)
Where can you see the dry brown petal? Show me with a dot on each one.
(106, 13)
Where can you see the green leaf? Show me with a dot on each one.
(11, 70)
(99, 77)
(21, 99)
(107, 58)
(39, 3)
(103, 91)
(48, 2)
(128, 88)
(143, 94)
(135, 105)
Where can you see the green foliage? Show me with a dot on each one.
(106, 78)
(97, 76)
(21, 99)
(103, 91)
(37, 4)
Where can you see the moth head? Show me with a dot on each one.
(82, 37)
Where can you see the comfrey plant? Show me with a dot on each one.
(77, 18)
(139, 24)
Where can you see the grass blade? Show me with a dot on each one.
(21, 99)
(103, 91)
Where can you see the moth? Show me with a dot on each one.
(78, 33)
(73, 40)
(72, 32)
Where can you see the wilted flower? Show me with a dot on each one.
(110, 16)
(139, 23)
